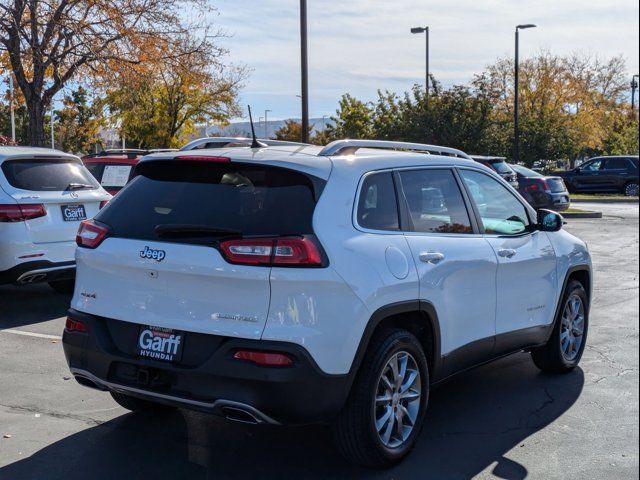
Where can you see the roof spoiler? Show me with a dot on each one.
(350, 147)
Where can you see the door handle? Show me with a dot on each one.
(507, 252)
(431, 257)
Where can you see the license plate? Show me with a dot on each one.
(163, 344)
(73, 213)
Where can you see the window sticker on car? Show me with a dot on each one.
(115, 175)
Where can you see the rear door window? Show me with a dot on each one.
(435, 202)
(50, 175)
(232, 199)
(378, 204)
(617, 164)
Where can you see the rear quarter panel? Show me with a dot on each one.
(327, 310)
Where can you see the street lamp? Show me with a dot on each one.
(634, 86)
(266, 123)
(425, 30)
(305, 71)
(516, 102)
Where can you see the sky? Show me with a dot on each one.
(360, 46)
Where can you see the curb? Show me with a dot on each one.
(582, 215)
(603, 200)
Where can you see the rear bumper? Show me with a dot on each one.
(553, 201)
(208, 378)
(37, 272)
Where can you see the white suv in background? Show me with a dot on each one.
(293, 285)
(44, 195)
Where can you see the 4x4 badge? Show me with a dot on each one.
(151, 254)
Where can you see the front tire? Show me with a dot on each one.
(139, 405)
(563, 351)
(385, 411)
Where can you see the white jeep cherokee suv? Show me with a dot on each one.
(291, 285)
(44, 195)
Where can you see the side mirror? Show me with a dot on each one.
(549, 221)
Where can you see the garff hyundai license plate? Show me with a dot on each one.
(162, 344)
(73, 213)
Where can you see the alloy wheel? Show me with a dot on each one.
(631, 190)
(397, 400)
(573, 324)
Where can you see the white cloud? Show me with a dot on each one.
(359, 46)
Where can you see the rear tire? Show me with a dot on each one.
(563, 351)
(64, 287)
(138, 405)
(385, 411)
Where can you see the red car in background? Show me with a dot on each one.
(114, 168)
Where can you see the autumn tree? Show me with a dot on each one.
(159, 107)
(78, 122)
(352, 120)
(291, 131)
(50, 43)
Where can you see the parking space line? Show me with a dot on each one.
(31, 334)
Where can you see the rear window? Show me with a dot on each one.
(50, 175)
(500, 166)
(252, 200)
(526, 172)
(111, 175)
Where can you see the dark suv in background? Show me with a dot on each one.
(604, 174)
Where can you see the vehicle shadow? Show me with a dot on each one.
(27, 305)
(473, 421)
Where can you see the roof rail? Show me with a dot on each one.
(224, 142)
(349, 147)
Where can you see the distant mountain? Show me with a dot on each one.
(243, 129)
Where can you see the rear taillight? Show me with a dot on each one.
(73, 325)
(545, 185)
(91, 234)
(265, 359)
(103, 204)
(20, 213)
(204, 158)
(286, 251)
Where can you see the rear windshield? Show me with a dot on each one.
(113, 176)
(251, 200)
(526, 172)
(500, 166)
(48, 175)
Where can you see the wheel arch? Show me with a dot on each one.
(418, 317)
(581, 273)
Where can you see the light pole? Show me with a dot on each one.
(634, 86)
(516, 102)
(425, 30)
(305, 71)
(12, 113)
(53, 143)
(266, 123)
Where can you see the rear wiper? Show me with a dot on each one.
(79, 186)
(180, 230)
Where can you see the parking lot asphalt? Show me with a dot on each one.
(504, 420)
